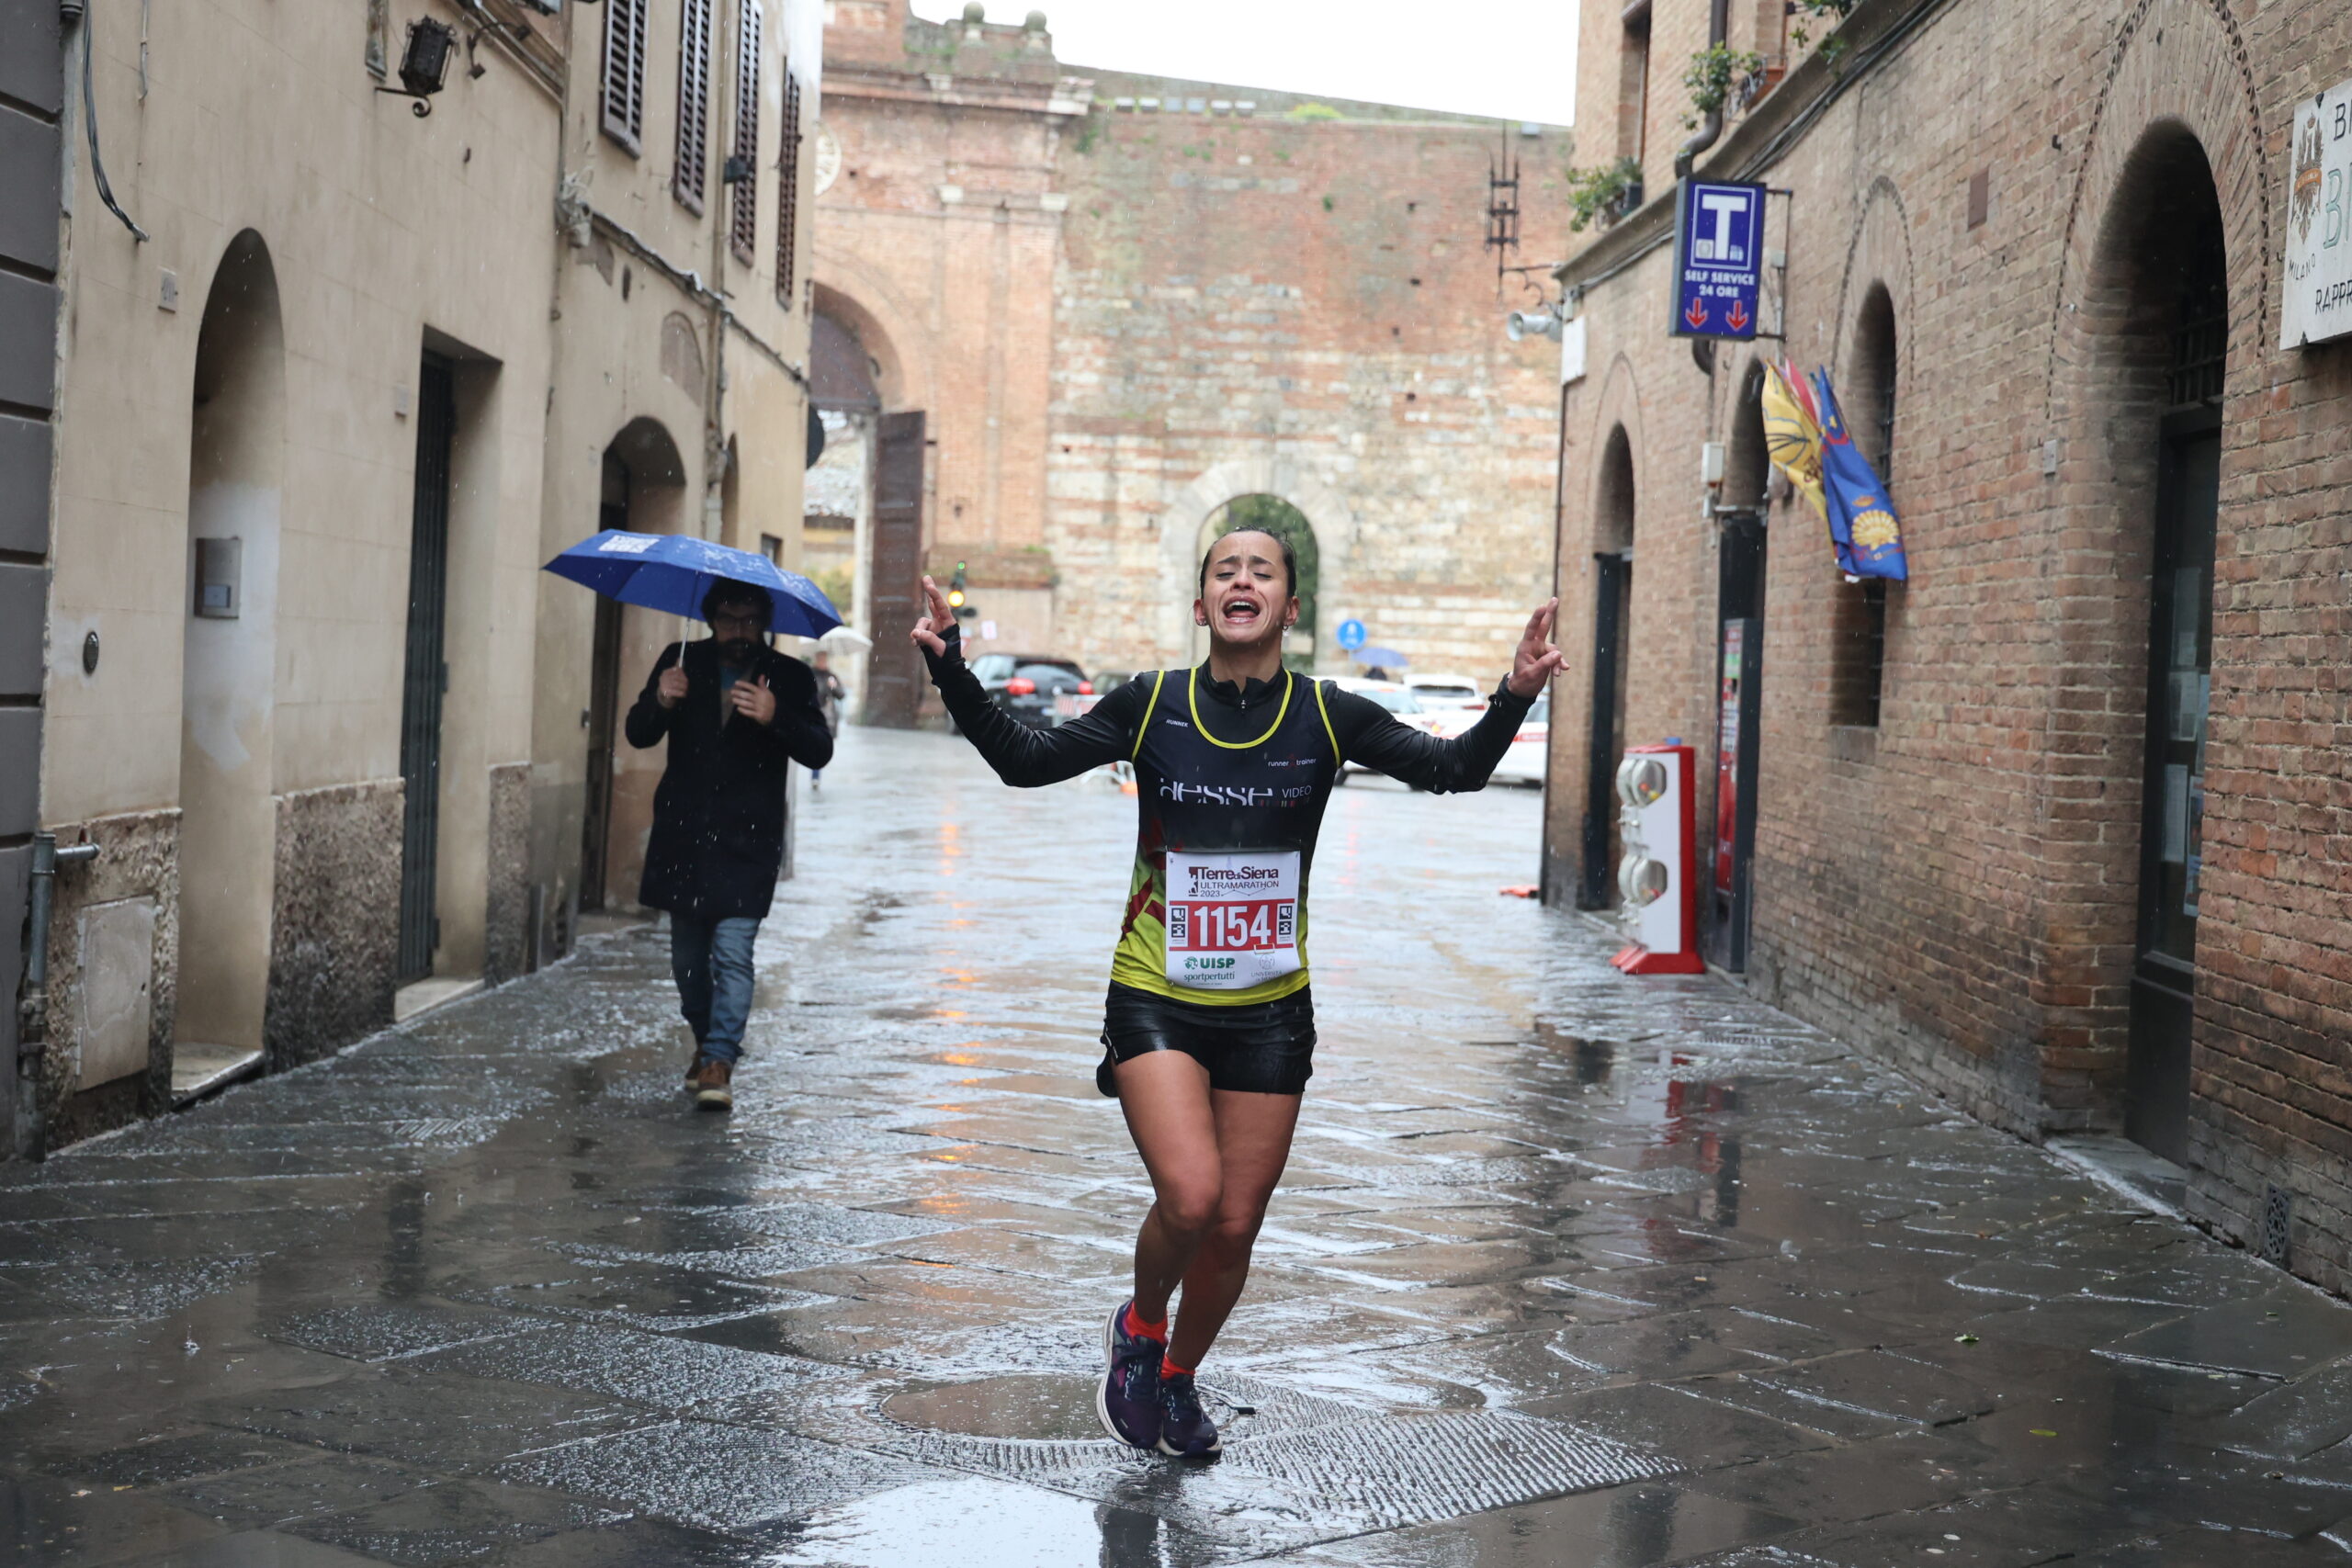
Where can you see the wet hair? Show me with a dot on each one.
(727, 590)
(1290, 559)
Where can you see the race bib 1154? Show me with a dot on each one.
(1232, 919)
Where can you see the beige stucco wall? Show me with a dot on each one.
(386, 235)
(633, 258)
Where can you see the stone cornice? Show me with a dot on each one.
(1059, 99)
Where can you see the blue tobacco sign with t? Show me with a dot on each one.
(1718, 259)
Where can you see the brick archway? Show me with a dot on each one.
(2167, 137)
(892, 333)
(1179, 531)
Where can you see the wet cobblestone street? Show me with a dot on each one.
(1568, 1269)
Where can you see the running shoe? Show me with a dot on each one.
(1128, 1398)
(713, 1089)
(1185, 1430)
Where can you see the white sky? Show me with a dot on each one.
(1513, 58)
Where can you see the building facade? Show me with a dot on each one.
(365, 343)
(32, 103)
(1121, 304)
(2059, 824)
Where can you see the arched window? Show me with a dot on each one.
(1858, 647)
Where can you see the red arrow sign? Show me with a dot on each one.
(1739, 316)
(1695, 313)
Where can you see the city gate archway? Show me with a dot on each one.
(1271, 514)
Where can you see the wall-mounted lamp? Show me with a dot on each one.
(424, 62)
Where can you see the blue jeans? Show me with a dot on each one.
(711, 961)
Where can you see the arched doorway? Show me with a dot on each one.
(227, 695)
(644, 491)
(1613, 563)
(1271, 515)
(1739, 669)
(2160, 312)
(870, 486)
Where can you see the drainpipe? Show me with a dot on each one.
(32, 1008)
(1712, 128)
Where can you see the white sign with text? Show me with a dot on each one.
(2317, 300)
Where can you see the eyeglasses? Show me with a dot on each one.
(753, 624)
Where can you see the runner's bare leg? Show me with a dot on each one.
(1253, 1133)
(1165, 1096)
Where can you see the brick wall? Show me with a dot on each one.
(1120, 316)
(1958, 886)
(1303, 307)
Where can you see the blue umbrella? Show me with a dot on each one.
(1386, 658)
(673, 571)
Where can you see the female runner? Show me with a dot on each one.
(1210, 1023)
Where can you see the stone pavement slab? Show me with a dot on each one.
(1568, 1269)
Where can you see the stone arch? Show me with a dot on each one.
(227, 805)
(1878, 255)
(1617, 415)
(891, 330)
(2160, 77)
(2163, 201)
(1748, 465)
(1188, 512)
(1616, 493)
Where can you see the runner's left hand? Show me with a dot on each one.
(1536, 660)
(755, 702)
(927, 633)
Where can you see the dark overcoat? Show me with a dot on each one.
(717, 835)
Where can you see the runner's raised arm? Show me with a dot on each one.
(1022, 757)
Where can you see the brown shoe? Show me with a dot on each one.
(711, 1081)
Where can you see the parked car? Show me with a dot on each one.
(1436, 690)
(1026, 685)
(1524, 761)
(1391, 696)
(1070, 704)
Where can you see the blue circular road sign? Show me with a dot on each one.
(1351, 634)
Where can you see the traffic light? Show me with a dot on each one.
(956, 598)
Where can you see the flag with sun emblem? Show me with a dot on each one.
(1863, 525)
(1791, 435)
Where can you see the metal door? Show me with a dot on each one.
(894, 669)
(1739, 640)
(1614, 573)
(425, 678)
(2181, 665)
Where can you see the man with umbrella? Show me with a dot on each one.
(736, 713)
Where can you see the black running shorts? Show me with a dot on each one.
(1256, 1048)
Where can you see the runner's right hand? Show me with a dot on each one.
(927, 633)
(672, 688)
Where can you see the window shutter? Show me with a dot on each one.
(623, 94)
(693, 101)
(745, 230)
(787, 206)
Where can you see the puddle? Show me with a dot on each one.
(1038, 1408)
(975, 1523)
